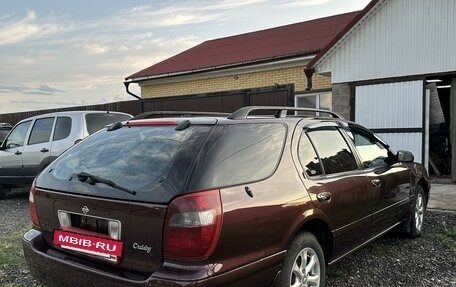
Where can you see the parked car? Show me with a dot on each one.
(219, 201)
(4, 130)
(35, 142)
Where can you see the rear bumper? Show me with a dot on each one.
(55, 268)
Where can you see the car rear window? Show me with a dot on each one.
(152, 160)
(97, 121)
(237, 154)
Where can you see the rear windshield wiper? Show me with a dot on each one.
(92, 179)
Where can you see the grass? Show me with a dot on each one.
(448, 238)
(335, 272)
(11, 254)
(379, 248)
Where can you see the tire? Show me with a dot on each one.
(313, 272)
(417, 214)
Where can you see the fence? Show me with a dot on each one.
(213, 102)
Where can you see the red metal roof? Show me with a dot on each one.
(300, 39)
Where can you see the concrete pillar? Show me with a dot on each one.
(342, 97)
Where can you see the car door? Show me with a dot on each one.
(11, 155)
(390, 180)
(35, 154)
(331, 175)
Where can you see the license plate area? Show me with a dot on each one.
(101, 248)
(89, 235)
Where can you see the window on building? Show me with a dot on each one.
(321, 100)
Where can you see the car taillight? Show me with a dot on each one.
(32, 205)
(192, 225)
(77, 141)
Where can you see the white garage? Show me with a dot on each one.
(393, 69)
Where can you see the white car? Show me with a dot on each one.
(35, 142)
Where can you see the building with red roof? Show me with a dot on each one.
(256, 60)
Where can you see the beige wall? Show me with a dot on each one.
(280, 76)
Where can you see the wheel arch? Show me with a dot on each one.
(426, 187)
(319, 225)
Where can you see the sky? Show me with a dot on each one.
(69, 53)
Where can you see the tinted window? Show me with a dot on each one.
(307, 157)
(62, 128)
(97, 121)
(41, 131)
(3, 134)
(154, 161)
(238, 154)
(17, 136)
(333, 150)
(371, 151)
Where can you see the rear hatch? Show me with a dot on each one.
(112, 191)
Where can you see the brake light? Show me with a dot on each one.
(77, 141)
(32, 205)
(192, 225)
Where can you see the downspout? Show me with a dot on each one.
(127, 84)
(309, 73)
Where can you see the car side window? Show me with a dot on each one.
(41, 131)
(308, 157)
(372, 152)
(62, 128)
(334, 152)
(239, 154)
(17, 136)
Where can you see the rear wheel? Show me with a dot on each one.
(304, 264)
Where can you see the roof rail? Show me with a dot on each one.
(280, 112)
(163, 114)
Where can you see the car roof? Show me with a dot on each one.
(248, 114)
(67, 113)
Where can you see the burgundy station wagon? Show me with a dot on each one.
(267, 196)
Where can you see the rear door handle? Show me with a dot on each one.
(324, 196)
(17, 153)
(44, 150)
(376, 182)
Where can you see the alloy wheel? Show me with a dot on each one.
(419, 212)
(306, 269)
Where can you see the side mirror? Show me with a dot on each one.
(405, 156)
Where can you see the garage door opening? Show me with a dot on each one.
(442, 126)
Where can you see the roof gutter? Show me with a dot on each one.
(228, 68)
(127, 85)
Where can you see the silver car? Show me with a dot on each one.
(35, 142)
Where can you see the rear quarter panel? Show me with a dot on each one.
(263, 225)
